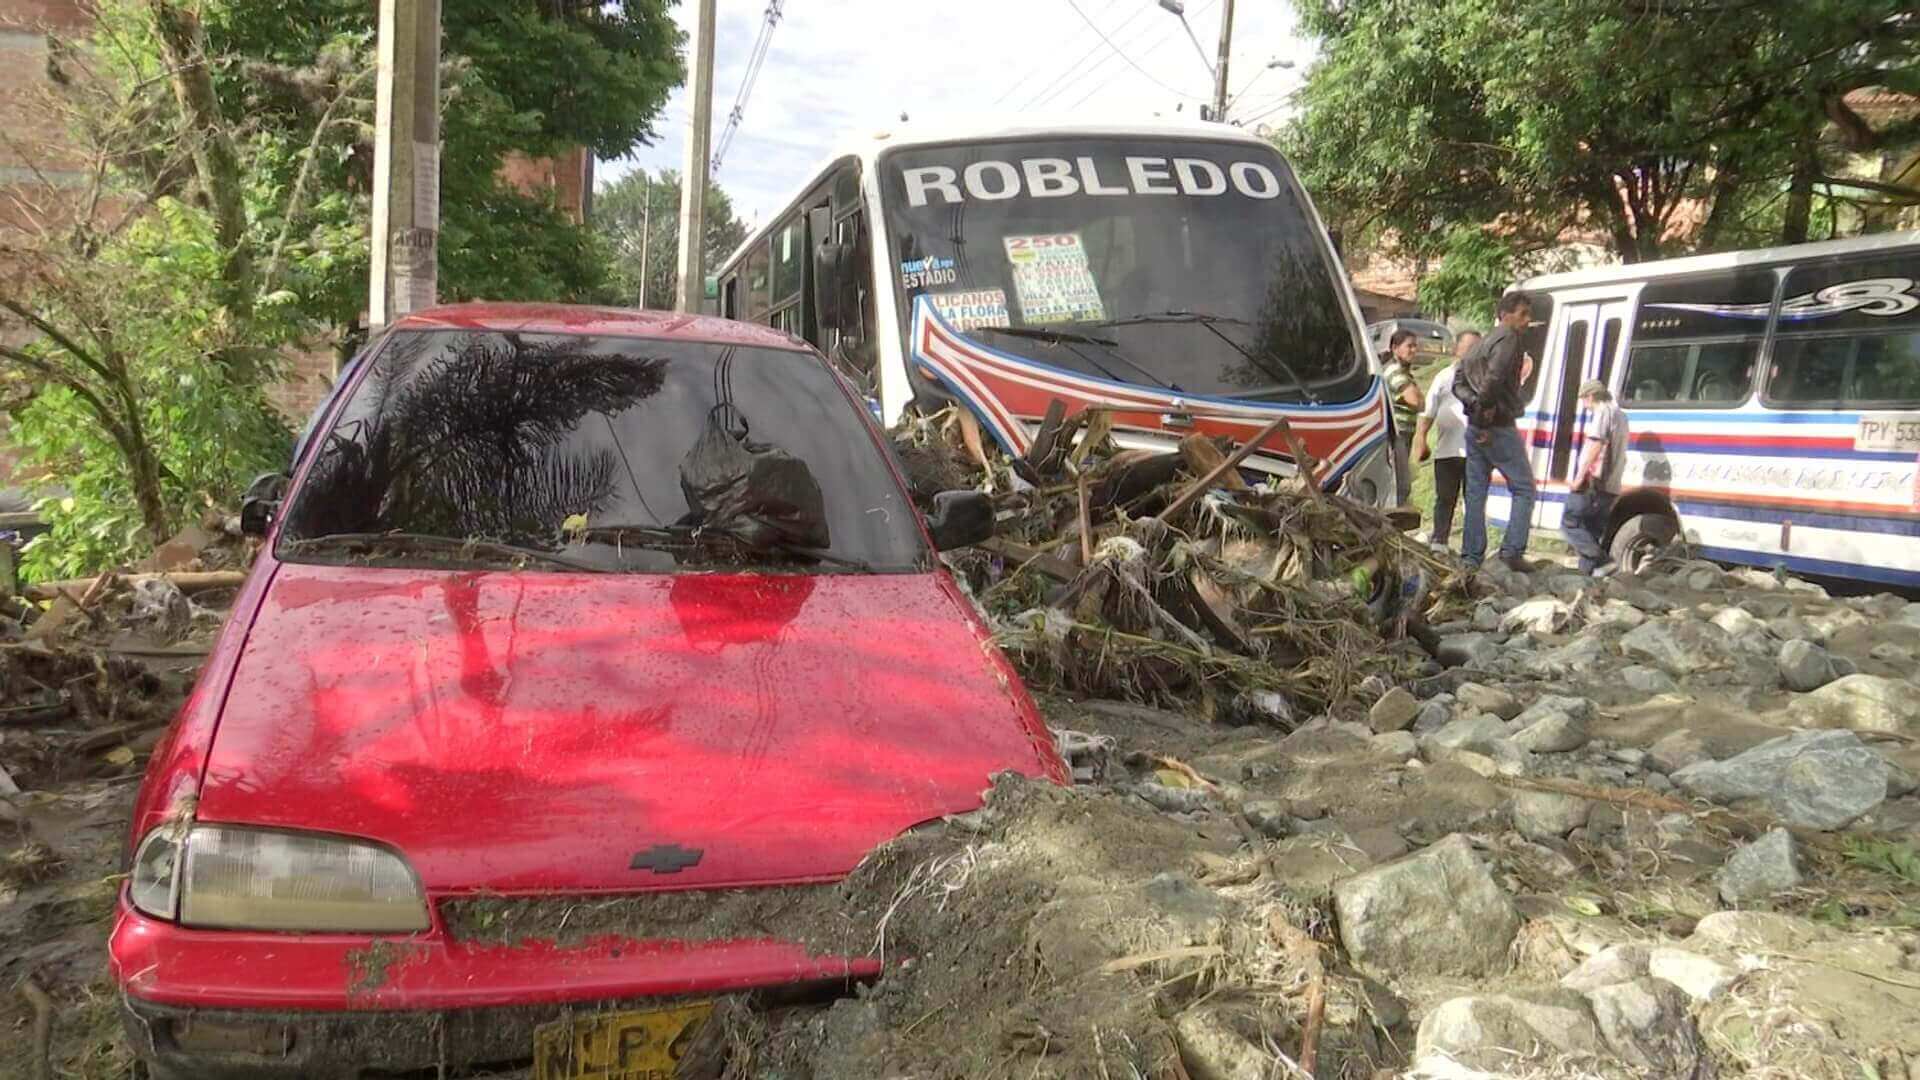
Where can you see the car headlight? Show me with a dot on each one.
(255, 879)
(1370, 481)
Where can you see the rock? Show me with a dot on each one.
(1433, 716)
(1794, 628)
(1701, 978)
(1813, 779)
(1586, 655)
(1478, 732)
(1610, 966)
(1399, 745)
(1394, 711)
(1378, 843)
(1648, 1024)
(1212, 1049)
(1829, 624)
(1909, 616)
(1888, 653)
(1541, 615)
(1738, 622)
(1478, 764)
(1678, 646)
(1616, 613)
(1486, 618)
(1900, 782)
(1648, 680)
(1647, 600)
(1173, 800)
(1498, 1032)
(1435, 912)
(1554, 725)
(1706, 579)
(1468, 650)
(1678, 749)
(1186, 904)
(1861, 702)
(1762, 868)
(1756, 578)
(1804, 666)
(1269, 816)
(1548, 815)
(1488, 699)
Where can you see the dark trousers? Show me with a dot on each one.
(1449, 479)
(1402, 467)
(1584, 523)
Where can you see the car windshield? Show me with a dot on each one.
(1185, 264)
(573, 453)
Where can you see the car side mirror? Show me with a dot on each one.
(834, 304)
(960, 519)
(261, 504)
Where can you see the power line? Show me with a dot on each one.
(1049, 90)
(755, 62)
(1038, 68)
(1116, 49)
(1116, 73)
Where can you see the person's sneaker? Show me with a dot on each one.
(1606, 570)
(1517, 563)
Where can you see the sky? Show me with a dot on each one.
(837, 66)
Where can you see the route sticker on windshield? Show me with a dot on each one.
(928, 272)
(972, 309)
(1052, 277)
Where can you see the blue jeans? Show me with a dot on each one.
(1489, 449)
(1584, 522)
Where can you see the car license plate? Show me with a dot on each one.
(638, 1045)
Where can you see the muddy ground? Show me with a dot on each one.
(1176, 913)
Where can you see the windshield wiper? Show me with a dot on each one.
(1069, 339)
(427, 542)
(691, 536)
(1212, 323)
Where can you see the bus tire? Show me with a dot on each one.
(1639, 537)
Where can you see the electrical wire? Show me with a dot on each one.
(1117, 72)
(755, 62)
(1074, 4)
(1074, 67)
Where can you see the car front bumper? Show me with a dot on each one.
(218, 1003)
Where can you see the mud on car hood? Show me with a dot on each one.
(535, 732)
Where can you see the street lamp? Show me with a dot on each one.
(1180, 12)
(1272, 65)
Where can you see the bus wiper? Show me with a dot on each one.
(426, 542)
(1212, 323)
(1069, 338)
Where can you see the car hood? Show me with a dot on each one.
(534, 732)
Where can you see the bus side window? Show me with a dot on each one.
(730, 297)
(1866, 356)
(754, 306)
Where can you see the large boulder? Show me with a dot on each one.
(1554, 724)
(1804, 666)
(1648, 1024)
(1394, 711)
(1763, 868)
(1498, 1032)
(1476, 698)
(1435, 912)
(1813, 779)
(1683, 646)
(1862, 703)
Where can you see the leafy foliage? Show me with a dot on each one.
(1658, 125)
(640, 213)
(1474, 270)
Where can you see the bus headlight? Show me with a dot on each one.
(229, 878)
(1371, 481)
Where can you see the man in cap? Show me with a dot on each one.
(1595, 485)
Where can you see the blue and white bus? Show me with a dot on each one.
(1773, 395)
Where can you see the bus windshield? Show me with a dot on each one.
(1189, 265)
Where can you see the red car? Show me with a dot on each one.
(559, 602)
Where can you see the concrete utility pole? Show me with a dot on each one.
(1220, 68)
(406, 161)
(646, 234)
(693, 182)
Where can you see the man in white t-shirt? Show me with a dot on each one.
(1596, 483)
(1446, 421)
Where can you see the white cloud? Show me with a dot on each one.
(852, 65)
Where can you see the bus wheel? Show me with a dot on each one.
(1640, 537)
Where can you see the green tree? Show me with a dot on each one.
(638, 218)
(1474, 269)
(1622, 115)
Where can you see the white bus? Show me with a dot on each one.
(1773, 395)
(1174, 274)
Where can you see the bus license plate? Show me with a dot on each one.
(1888, 431)
(637, 1045)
